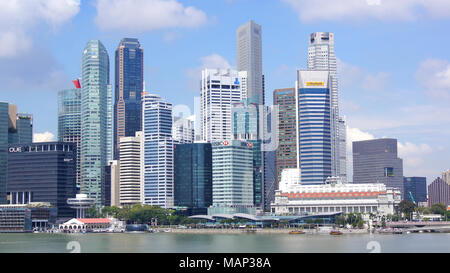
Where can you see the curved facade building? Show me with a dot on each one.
(95, 132)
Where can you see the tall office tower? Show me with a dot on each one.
(113, 173)
(286, 153)
(219, 89)
(109, 124)
(193, 177)
(232, 177)
(130, 169)
(245, 128)
(438, 192)
(376, 161)
(314, 126)
(129, 86)
(14, 128)
(69, 121)
(249, 58)
(94, 120)
(4, 120)
(446, 176)
(415, 189)
(183, 130)
(342, 132)
(321, 56)
(158, 151)
(42, 172)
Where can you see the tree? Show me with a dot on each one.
(407, 208)
(439, 208)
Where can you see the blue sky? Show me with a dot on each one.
(394, 62)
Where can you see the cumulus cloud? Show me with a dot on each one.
(413, 154)
(359, 10)
(352, 76)
(212, 61)
(434, 76)
(43, 137)
(19, 18)
(146, 15)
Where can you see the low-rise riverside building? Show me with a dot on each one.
(27, 217)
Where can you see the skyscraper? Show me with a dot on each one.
(321, 56)
(438, 192)
(69, 121)
(158, 151)
(193, 177)
(220, 88)
(14, 128)
(129, 78)
(232, 177)
(286, 153)
(249, 58)
(130, 184)
(94, 119)
(376, 161)
(183, 130)
(314, 132)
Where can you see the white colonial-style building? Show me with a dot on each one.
(335, 196)
(85, 224)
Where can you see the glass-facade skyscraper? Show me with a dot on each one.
(4, 118)
(314, 126)
(158, 151)
(129, 79)
(69, 121)
(193, 177)
(415, 187)
(95, 131)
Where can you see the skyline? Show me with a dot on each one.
(407, 72)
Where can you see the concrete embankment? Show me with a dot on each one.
(259, 231)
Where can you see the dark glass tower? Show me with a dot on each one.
(415, 187)
(193, 176)
(129, 84)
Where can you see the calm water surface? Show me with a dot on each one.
(224, 243)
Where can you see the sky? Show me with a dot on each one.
(393, 58)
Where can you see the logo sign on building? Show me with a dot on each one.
(250, 144)
(315, 83)
(225, 142)
(15, 149)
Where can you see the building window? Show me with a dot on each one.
(389, 171)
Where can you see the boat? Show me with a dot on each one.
(297, 232)
(335, 232)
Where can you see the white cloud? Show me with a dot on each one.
(353, 76)
(43, 137)
(19, 18)
(139, 16)
(413, 154)
(212, 61)
(359, 10)
(434, 76)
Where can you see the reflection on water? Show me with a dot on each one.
(226, 243)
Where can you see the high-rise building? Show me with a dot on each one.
(14, 128)
(342, 132)
(438, 192)
(95, 132)
(69, 120)
(376, 161)
(286, 153)
(446, 176)
(129, 84)
(314, 135)
(220, 88)
(245, 127)
(42, 172)
(130, 169)
(415, 189)
(113, 173)
(249, 58)
(232, 177)
(183, 130)
(321, 56)
(193, 177)
(158, 151)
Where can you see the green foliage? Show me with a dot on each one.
(439, 209)
(406, 207)
(143, 214)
